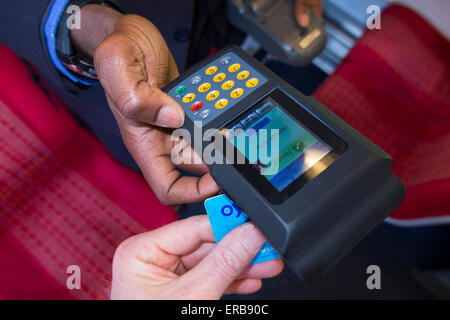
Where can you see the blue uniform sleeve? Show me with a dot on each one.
(55, 13)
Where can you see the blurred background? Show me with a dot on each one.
(70, 192)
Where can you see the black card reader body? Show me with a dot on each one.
(333, 185)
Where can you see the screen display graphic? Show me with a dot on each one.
(298, 149)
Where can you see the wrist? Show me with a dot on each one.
(97, 23)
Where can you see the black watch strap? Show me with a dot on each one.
(80, 65)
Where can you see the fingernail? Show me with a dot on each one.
(304, 20)
(252, 238)
(170, 116)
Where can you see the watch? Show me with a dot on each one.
(78, 64)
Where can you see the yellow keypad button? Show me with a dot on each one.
(219, 77)
(211, 70)
(189, 97)
(222, 103)
(243, 75)
(204, 87)
(253, 82)
(236, 93)
(212, 95)
(227, 85)
(234, 67)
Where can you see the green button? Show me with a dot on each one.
(180, 90)
(298, 146)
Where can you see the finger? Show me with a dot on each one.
(316, 6)
(267, 269)
(200, 169)
(184, 236)
(148, 149)
(193, 258)
(173, 188)
(217, 271)
(127, 69)
(301, 10)
(178, 238)
(187, 159)
(167, 182)
(244, 286)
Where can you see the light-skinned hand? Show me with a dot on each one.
(302, 7)
(182, 261)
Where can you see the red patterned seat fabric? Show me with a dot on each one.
(394, 87)
(63, 200)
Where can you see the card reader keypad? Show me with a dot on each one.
(216, 87)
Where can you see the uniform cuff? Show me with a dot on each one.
(51, 24)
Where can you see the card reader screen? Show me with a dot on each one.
(276, 144)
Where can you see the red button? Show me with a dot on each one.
(197, 106)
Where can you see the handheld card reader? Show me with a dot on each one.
(273, 25)
(332, 185)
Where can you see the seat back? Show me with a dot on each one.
(394, 87)
(63, 199)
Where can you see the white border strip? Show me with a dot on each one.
(423, 222)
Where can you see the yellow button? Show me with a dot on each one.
(236, 93)
(211, 70)
(243, 75)
(234, 67)
(253, 82)
(227, 85)
(204, 87)
(212, 95)
(219, 77)
(189, 97)
(222, 103)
